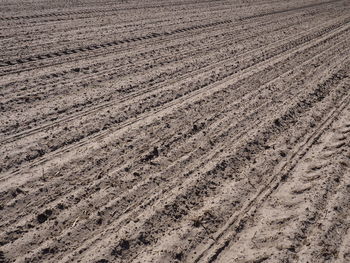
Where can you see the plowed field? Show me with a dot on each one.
(175, 131)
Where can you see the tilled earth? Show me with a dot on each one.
(175, 131)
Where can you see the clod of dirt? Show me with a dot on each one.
(123, 245)
(48, 250)
(153, 154)
(99, 221)
(41, 218)
(136, 174)
(142, 238)
(179, 256)
(196, 223)
(16, 192)
(60, 206)
(277, 122)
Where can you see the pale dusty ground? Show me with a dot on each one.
(175, 131)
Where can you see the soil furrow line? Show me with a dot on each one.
(109, 44)
(133, 96)
(101, 11)
(222, 239)
(166, 201)
(161, 59)
(126, 124)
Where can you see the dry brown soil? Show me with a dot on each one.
(175, 131)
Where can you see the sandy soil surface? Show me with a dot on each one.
(175, 131)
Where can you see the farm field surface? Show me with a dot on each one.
(175, 131)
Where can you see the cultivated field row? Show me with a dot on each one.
(199, 131)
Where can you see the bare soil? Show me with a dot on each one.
(175, 131)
